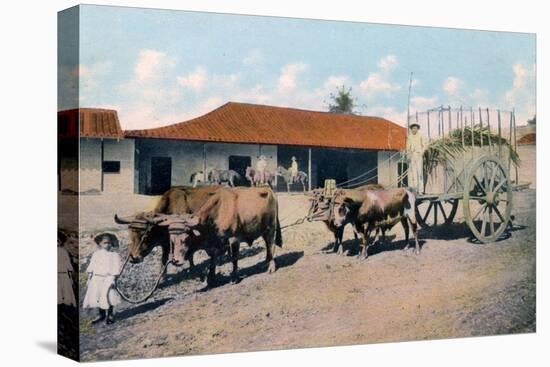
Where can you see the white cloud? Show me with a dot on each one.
(378, 83)
(335, 81)
(522, 94)
(89, 77)
(452, 86)
(149, 64)
(194, 80)
(421, 103)
(387, 63)
(289, 75)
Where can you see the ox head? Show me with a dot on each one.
(319, 209)
(340, 208)
(181, 229)
(144, 234)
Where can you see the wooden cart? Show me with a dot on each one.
(480, 175)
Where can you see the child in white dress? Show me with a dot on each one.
(65, 271)
(104, 267)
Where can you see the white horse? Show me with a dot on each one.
(198, 177)
(301, 177)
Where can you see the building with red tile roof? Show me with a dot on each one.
(260, 124)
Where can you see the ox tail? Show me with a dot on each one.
(192, 177)
(278, 235)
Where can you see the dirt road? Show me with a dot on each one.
(455, 288)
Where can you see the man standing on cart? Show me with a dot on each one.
(416, 146)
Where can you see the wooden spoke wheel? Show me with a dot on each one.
(487, 199)
(433, 212)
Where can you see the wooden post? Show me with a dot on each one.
(439, 124)
(510, 142)
(499, 136)
(515, 144)
(472, 129)
(309, 170)
(489, 132)
(450, 120)
(204, 161)
(101, 164)
(463, 148)
(429, 134)
(480, 128)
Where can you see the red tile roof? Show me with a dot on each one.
(94, 123)
(250, 123)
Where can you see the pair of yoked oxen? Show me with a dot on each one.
(217, 219)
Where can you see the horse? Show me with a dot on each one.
(197, 177)
(219, 176)
(300, 177)
(254, 177)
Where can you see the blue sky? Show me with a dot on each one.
(157, 67)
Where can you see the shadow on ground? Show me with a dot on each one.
(282, 261)
(201, 270)
(130, 312)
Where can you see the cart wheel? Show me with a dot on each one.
(433, 212)
(487, 199)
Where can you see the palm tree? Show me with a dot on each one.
(342, 101)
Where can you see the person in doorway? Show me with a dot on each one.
(416, 146)
(293, 169)
(104, 267)
(261, 165)
(65, 273)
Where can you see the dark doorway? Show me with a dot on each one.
(332, 164)
(161, 174)
(238, 163)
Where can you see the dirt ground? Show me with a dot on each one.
(455, 288)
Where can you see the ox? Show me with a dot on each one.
(374, 210)
(319, 210)
(145, 234)
(229, 217)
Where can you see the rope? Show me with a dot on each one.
(149, 294)
(295, 223)
(366, 173)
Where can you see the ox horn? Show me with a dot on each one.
(122, 220)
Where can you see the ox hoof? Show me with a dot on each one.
(340, 251)
(272, 267)
(417, 252)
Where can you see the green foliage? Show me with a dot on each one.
(444, 151)
(342, 101)
(532, 121)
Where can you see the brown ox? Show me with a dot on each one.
(229, 217)
(145, 234)
(319, 210)
(374, 210)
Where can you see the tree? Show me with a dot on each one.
(532, 121)
(342, 101)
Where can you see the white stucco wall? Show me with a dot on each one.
(122, 151)
(91, 166)
(187, 157)
(387, 168)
